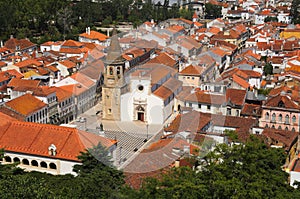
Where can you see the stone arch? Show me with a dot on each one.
(52, 166)
(25, 162)
(43, 164)
(34, 163)
(7, 159)
(16, 159)
(267, 116)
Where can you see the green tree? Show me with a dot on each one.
(212, 11)
(268, 69)
(295, 11)
(250, 170)
(269, 19)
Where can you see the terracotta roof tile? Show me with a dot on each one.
(240, 81)
(16, 83)
(35, 139)
(288, 138)
(29, 63)
(26, 104)
(284, 100)
(94, 35)
(192, 70)
(168, 88)
(22, 43)
(67, 63)
(164, 58)
(236, 96)
(206, 98)
(251, 110)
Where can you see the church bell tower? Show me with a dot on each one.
(113, 80)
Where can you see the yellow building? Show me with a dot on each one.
(290, 33)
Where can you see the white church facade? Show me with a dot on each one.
(151, 92)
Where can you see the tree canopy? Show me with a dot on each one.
(268, 69)
(212, 11)
(251, 170)
(62, 19)
(295, 11)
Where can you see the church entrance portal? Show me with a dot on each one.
(141, 116)
(140, 113)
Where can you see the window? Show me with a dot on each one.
(199, 105)
(16, 159)
(293, 129)
(109, 111)
(188, 77)
(287, 119)
(279, 128)
(273, 117)
(111, 71)
(52, 166)
(43, 164)
(237, 112)
(208, 107)
(228, 111)
(25, 162)
(281, 104)
(294, 119)
(267, 116)
(280, 118)
(193, 77)
(34, 163)
(7, 159)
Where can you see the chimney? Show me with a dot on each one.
(11, 36)
(51, 80)
(89, 31)
(1, 44)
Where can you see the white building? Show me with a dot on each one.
(46, 148)
(150, 96)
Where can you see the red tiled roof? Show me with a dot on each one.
(286, 101)
(251, 110)
(192, 70)
(67, 63)
(94, 35)
(164, 58)
(23, 83)
(26, 104)
(168, 88)
(236, 96)
(240, 81)
(35, 139)
(206, 98)
(83, 79)
(22, 43)
(288, 138)
(28, 63)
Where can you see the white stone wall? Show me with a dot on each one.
(155, 111)
(62, 166)
(294, 176)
